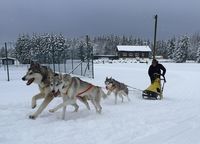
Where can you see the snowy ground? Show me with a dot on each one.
(174, 120)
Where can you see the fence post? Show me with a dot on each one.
(65, 68)
(7, 61)
(53, 56)
(92, 63)
(81, 68)
(72, 55)
(88, 52)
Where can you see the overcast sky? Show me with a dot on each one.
(75, 18)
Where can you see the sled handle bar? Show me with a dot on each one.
(163, 78)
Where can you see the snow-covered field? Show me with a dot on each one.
(174, 120)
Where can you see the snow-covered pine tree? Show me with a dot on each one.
(60, 47)
(171, 45)
(22, 49)
(38, 48)
(2, 52)
(180, 53)
(198, 54)
(194, 45)
(161, 48)
(81, 50)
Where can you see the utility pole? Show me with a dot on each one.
(155, 31)
(72, 58)
(53, 56)
(7, 61)
(88, 51)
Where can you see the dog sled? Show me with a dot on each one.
(155, 90)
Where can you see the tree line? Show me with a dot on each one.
(47, 48)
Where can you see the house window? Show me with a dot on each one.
(143, 54)
(130, 54)
(136, 54)
(124, 54)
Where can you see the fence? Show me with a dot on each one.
(76, 67)
(70, 60)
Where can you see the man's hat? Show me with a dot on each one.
(154, 61)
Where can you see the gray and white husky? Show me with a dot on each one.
(116, 87)
(40, 75)
(73, 88)
(55, 83)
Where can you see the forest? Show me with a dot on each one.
(42, 47)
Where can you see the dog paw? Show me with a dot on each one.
(76, 107)
(51, 111)
(33, 106)
(98, 111)
(76, 110)
(32, 117)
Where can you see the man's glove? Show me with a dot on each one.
(163, 77)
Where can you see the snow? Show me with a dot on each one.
(133, 48)
(173, 120)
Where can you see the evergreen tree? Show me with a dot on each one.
(38, 48)
(198, 54)
(22, 49)
(81, 49)
(59, 45)
(2, 52)
(180, 53)
(171, 45)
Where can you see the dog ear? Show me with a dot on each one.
(66, 76)
(31, 63)
(34, 64)
(37, 65)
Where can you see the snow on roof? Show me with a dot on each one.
(133, 48)
(8, 58)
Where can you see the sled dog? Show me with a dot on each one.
(73, 88)
(55, 83)
(118, 88)
(40, 75)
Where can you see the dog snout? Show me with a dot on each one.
(53, 91)
(23, 78)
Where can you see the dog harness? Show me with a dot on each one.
(80, 93)
(89, 87)
(68, 87)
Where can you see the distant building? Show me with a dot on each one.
(11, 61)
(110, 57)
(129, 51)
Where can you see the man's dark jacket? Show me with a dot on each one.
(157, 69)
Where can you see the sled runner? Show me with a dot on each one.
(155, 90)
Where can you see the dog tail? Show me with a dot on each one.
(102, 93)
